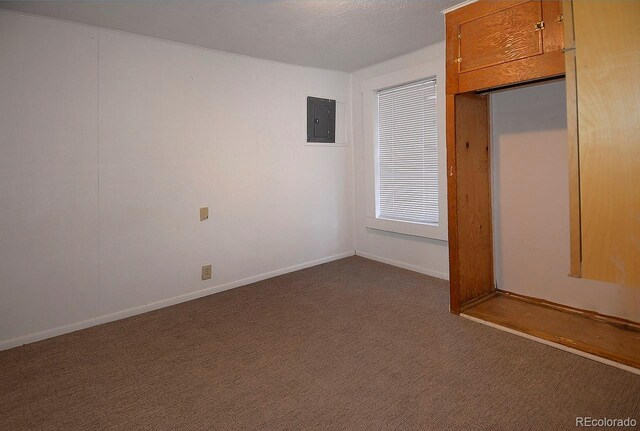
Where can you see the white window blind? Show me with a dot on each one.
(407, 174)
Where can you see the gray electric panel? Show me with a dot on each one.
(321, 120)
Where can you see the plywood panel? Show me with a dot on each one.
(502, 36)
(575, 240)
(608, 67)
(473, 200)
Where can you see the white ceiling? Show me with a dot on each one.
(333, 34)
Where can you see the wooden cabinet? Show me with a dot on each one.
(493, 44)
(490, 44)
(603, 96)
(509, 34)
(498, 43)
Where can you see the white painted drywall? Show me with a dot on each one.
(109, 145)
(419, 254)
(531, 204)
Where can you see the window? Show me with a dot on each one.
(405, 173)
(407, 154)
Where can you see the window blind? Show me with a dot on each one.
(407, 174)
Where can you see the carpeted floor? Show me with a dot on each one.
(350, 345)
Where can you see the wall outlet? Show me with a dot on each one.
(204, 213)
(206, 272)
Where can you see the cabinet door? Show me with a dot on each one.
(553, 33)
(506, 35)
(607, 38)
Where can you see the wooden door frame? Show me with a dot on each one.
(469, 214)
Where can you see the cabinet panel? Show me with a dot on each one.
(607, 70)
(499, 44)
(502, 36)
(553, 35)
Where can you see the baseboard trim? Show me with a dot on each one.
(421, 270)
(65, 329)
(552, 344)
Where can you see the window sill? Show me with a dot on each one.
(322, 144)
(408, 228)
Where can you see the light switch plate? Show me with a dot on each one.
(206, 272)
(204, 213)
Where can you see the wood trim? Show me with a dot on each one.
(604, 336)
(554, 344)
(552, 34)
(452, 199)
(594, 315)
(451, 55)
(528, 69)
(478, 300)
(458, 6)
(575, 240)
(481, 8)
(474, 242)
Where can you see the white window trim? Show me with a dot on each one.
(370, 88)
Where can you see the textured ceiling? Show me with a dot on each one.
(334, 34)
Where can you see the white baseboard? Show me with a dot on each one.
(42, 335)
(556, 345)
(421, 270)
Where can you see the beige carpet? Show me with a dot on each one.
(350, 345)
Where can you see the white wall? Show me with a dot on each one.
(416, 253)
(531, 204)
(109, 145)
